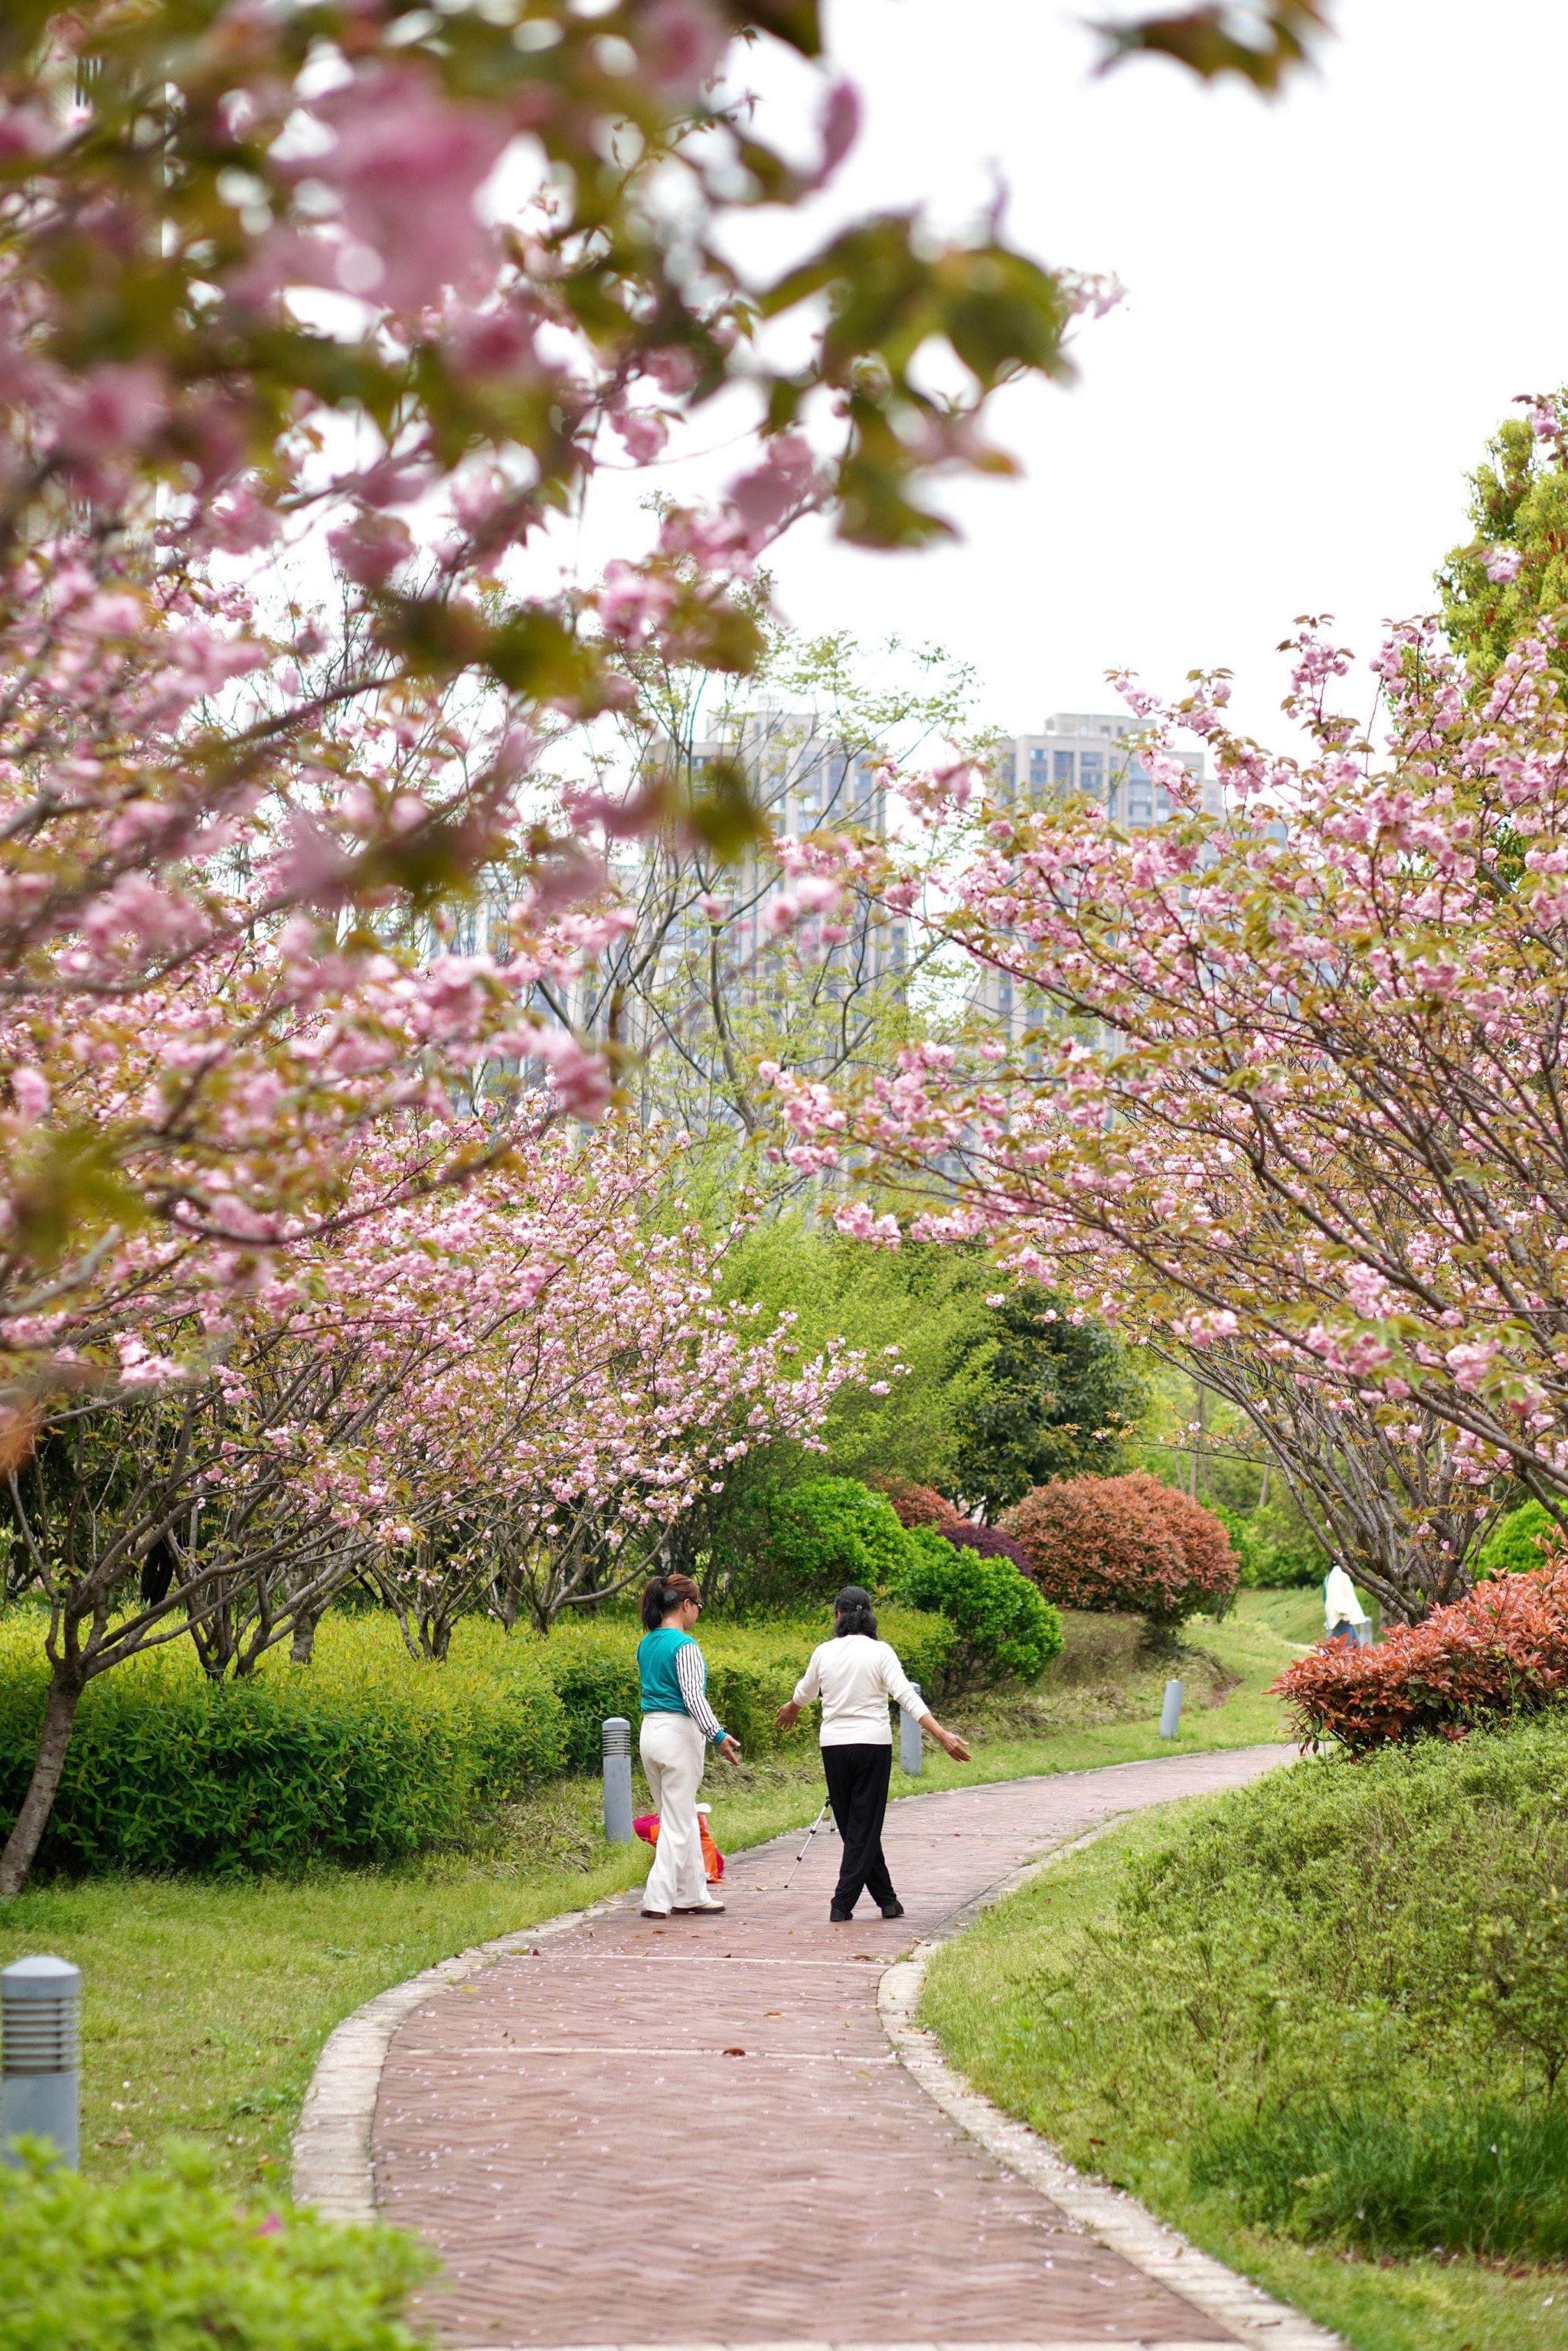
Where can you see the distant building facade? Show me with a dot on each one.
(1094, 754)
(1090, 752)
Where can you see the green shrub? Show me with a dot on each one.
(592, 1669)
(795, 1546)
(1374, 1950)
(1004, 1625)
(362, 1756)
(1518, 1544)
(168, 2258)
(752, 1669)
(1485, 2179)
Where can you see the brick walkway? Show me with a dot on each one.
(695, 2133)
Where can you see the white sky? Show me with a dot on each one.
(1332, 302)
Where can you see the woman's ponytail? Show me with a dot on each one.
(662, 1596)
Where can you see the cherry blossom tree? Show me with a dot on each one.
(1294, 1086)
(364, 288)
(554, 1464)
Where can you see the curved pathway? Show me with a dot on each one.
(697, 2133)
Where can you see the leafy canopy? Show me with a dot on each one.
(1060, 1397)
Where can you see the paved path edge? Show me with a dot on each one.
(332, 2168)
(1113, 2216)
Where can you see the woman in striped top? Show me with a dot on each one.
(678, 1724)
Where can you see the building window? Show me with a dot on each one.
(1091, 773)
(1061, 768)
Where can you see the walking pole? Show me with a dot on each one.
(800, 1857)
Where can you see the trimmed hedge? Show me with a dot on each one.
(1002, 1624)
(1125, 1543)
(364, 1755)
(1525, 1540)
(167, 2258)
(1500, 1651)
(920, 1506)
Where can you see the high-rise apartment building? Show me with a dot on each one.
(1090, 752)
(1094, 753)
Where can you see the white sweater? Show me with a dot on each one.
(855, 1676)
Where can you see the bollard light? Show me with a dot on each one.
(617, 1780)
(911, 1747)
(41, 2055)
(1170, 1713)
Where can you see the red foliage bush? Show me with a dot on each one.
(1503, 1651)
(921, 1505)
(990, 1543)
(1124, 1542)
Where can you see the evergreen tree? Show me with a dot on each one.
(1060, 1399)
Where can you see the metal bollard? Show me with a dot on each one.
(41, 2055)
(911, 1747)
(618, 1779)
(1170, 1713)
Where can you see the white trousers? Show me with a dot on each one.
(674, 1754)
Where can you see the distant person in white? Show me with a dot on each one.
(854, 1674)
(1344, 1614)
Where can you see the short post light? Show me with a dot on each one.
(617, 1780)
(41, 2055)
(1170, 1713)
(911, 1747)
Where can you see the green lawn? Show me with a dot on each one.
(206, 2000)
(983, 1998)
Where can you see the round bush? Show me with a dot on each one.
(1526, 1539)
(922, 1506)
(1125, 1544)
(1004, 1625)
(830, 1531)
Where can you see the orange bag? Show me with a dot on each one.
(646, 1824)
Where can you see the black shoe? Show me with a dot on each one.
(893, 1909)
(837, 1918)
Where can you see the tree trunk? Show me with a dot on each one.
(304, 1641)
(27, 1834)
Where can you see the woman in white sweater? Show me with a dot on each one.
(854, 1674)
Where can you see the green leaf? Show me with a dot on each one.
(1201, 40)
(71, 1190)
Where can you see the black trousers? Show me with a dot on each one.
(857, 1790)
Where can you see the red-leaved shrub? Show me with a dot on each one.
(990, 1541)
(1500, 1651)
(1123, 1543)
(921, 1505)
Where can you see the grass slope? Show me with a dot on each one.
(206, 2000)
(1015, 2003)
